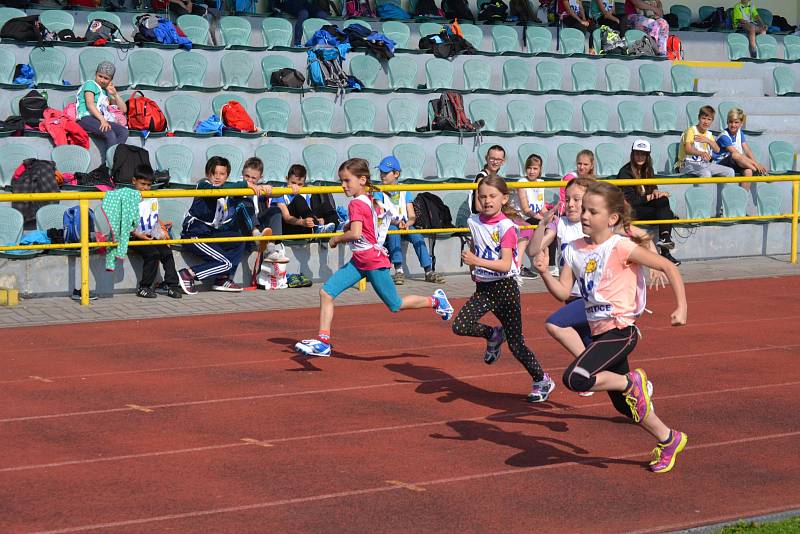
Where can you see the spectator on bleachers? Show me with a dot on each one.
(572, 16)
(267, 214)
(495, 157)
(648, 16)
(180, 7)
(216, 217)
(303, 214)
(94, 98)
(745, 17)
(647, 201)
(697, 147)
(607, 17)
(301, 10)
(529, 204)
(399, 204)
(584, 168)
(734, 152)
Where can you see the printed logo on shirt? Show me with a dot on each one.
(587, 282)
(496, 236)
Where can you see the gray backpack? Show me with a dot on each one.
(101, 29)
(646, 46)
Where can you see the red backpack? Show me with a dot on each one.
(235, 117)
(144, 114)
(674, 48)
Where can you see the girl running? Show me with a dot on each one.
(607, 267)
(365, 235)
(495, 269)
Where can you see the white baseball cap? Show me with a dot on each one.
(641, 145)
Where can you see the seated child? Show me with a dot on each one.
(697, 146)
(528, 203)
(267, 214)
(148, 228)
(303, 214)
(745, 17)
(399, 205)
(734, 152)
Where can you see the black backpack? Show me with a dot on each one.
(95, 177)
(39, 176)
(287, 78)
(25, 29)
(457, 9)
(126, 159)
(493, 11)
(431, 212)
(448, 114)
(446, 45)
(31, 108)
(100, 29)
(427, 8)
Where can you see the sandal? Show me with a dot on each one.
(399, 279)
(434, 277)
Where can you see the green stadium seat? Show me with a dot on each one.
(705, 11)
(549, 75)
(11, 155)
(321, 163)
(692, 111)
(738, 46)
(232, 153)
(791, 45)
(402, 114)
(506, 39)
(236, 67)
(480, 156)
(7, 65)
(672, 158)
(618, 77)
(610, 159)
(105, 15)
(429, 28)
(11, 224)
(539, 40)
(363, 23)
(56, 20)
(734, 201)
(458, 204)
(221, 99)
(451, 161)
(50, 215)
(516, 73)
(472, 34)
(278, 160)
(182, 111)
(71, 158)
(558, 115)
(189, 69)
(195, 27)
(485, 109)
(273, 114)
(365, 68)
(651, 78)
(412, 160)
(310, 27)
(477, 74)
(49, 64)
(110, 153)
(8, 13)
(521, 115)
(781, 157)
(402, 72)
(144, 68)
(699, 202)
(722, 112)
(526, 149)
(178, 159)
(398, 32)
(276, 32)
(767, 46)
(317, 113)
(665, 116)
(271, 63)
(567, 154)
(359, 115)
(784, 79)
(684, 14)
(594, 116)
(682, 79)
(439, 73)
(633, 35)
(371, 153)
(572, 41)
(769, 199)
(172, 209)
(235, 31)
(631, 116)
(766, 16)
(584, 76)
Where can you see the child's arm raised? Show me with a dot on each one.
(560, 287)
(644, 257)
(353, 233)
(541, 237)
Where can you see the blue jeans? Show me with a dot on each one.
(417, 241)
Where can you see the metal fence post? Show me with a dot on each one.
(84, 205)
(795, 188)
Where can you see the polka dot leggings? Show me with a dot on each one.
(501, 298)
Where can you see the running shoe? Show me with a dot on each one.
(585, 393)
(186, 281)
(146, 293)
(664, 454)
(325, 228)
(666, 243)
(76, 295)
(494, 345)
(670, 257)
(443, 309)
(313, 347)
(541, 389)
(434, 278)
(226, 284)
(174, 293)
(554, 271)
(637, 396)
(276, 254)
(525, 272)
(399, 278)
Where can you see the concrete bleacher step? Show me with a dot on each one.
(780, 125)
(739, 87)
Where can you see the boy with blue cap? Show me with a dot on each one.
(400, 205)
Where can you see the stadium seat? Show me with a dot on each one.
(11, 223)
(90, 57)
(8, 13)
(791, 44)
(371, 153)
(172, 210)
(271, 63)
(402, 114)
(651, 77)
(359, 115)
(766, 16)
(477, 74)
(539, 40)
(221, 99)
(402, 72)
(232, 153)
(516, 73)
(105, 15)
(781, 157)
(682, 79)
(738, 46)
(505, 39)
(276, 32)
(71, 158)
(273, 114)
(182, 111)
(310, 27)
(633, 35)
(49, 64)
(189, 69)
(722, 112)
(767, 46)
(769, 199)
(50, 216)
(56, 20)
(15, 104)
(704, 12)
(429, 28)
(572, 41)
(321, 163)
(485, 109)
(584, 76)
(144, 68)
(558, 115)
(451, 161)
(693, 111)
(526, 149)
(317, 113)
(110, 153)
(439, 73)
(567, 154)
(11, 155)
(665, 116)
(397, 31)
(734, 201)
(365, 68)
(235, 31)
(521, 116)
(195, 27)
(236, 68)
(594, 116)
(784, 79)
(7, 65)
(278, 160)
(363, 23)
(412, 160)
(631, 116)
(610, 159)
(699, 202)
(480, 156)
(672, 157)
(178, 159)
(549, 75)
(618, 77)
(472, 34)
(684, 14)
(458, 204)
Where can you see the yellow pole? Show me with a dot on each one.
(84, 203)
(362, 285)
(795, 188)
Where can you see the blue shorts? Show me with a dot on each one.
(573, 315)
(380, 279)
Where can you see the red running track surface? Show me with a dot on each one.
(212, 424)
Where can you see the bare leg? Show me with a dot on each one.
(325, 311)
(569, 339)
(413, 302)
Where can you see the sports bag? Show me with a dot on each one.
(646, 46)
(457, 9)
(287, 78)
(24, 29)
(611, 42)
(448, 114)
(674, 48)
(35, 176)
(493, 11)
(427, 8)
(100, 29)
(431, 212)
(325, 68)
(213, 124)
(144, 114)
(358, 8)
(145, 28)
(126, 159)
(235, 117)
(31, 108)
(72, 224)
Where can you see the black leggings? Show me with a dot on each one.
(608, 352)
(501, 298)
(655, 210)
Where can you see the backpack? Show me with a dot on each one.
(126, 159)
(325, 68)
(646, 46)
(457, 9)
(287, 78)
(448, 114)
(446, 45)
(235, 117)
(100, 176)
(100, 29)
(244, 6)
(427, 8)
(358, 8)
(213, 124)
(431, 212)
(72, 224)
(611, 42)
(31, 108)
(36, 176)
(493, 11)
(144, 114)
(145, 27)
(392, 11)
(674, 48)
(24, 29)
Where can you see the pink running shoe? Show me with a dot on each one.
(665, 453)
(637, 396)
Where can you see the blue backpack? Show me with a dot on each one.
(72, 224)
(213, 124)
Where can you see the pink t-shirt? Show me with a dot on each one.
(371, 256)
(508, 239)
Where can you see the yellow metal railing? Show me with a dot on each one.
(85, 197)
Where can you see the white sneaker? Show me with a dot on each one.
(276, 254)
(542, 389)
(554, 270)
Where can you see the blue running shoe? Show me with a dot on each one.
(325, 228)
(493, 345)
(313, 347)
(444, 309)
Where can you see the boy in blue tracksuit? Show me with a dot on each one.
(217, 217)
(399, 205)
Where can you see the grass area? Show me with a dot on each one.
(788, 526)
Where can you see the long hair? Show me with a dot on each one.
(589, 154)
(645, 171)
(615, 203)
(358, 167)
(500, 184)
(580, 182)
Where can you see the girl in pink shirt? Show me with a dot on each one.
(365, 233)
(607, 268)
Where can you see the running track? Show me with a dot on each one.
(210, 424)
